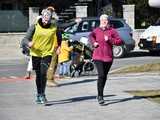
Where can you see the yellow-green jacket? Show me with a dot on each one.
(65, 52)
(44, 41)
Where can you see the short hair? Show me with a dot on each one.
(103, 16)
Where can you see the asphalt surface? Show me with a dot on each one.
(75, 98)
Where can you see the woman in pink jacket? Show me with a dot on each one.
(103, 38)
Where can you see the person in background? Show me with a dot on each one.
(29, 68)
(64, 57)
(103, 38)
(42, 46)
(26, 53)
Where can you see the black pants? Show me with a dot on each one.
(102, 69)
(40, 65)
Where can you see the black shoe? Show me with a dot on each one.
(100, 100)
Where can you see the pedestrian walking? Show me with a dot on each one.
(42, 40)
(103, 38)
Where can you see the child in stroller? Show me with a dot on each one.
(81, 59)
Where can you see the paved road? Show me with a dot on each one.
(17, 67)
(75, 99)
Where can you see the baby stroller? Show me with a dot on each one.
(81, 58)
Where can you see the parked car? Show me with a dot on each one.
(82, 27)
(150, 39)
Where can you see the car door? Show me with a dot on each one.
(124, 31)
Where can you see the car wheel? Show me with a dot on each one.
(118, 51)
(88, 66)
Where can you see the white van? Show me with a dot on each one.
(150, 38)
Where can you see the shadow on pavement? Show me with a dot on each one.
(78, 82)
(114, 101)
(74, 99)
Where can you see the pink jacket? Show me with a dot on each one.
(104, 51)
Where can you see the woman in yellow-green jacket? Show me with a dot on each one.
(42, 40)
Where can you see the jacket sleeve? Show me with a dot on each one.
(92, 37)
(59, 37)
(115, 39)
(28, 37)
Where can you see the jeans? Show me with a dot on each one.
(64, 68)
(102, 69)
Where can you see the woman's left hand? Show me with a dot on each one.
(58, 51)
(106, 38)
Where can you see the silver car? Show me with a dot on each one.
(80, 28)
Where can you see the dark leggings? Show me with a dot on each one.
(102, 69)
(40, 65)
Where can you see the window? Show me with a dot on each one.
(72, 28)
(94, 24)
(88, 25)
(116, 24)
(85, 26)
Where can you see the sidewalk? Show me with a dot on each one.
(10, 53)
(75, 99)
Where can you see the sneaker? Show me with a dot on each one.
(27, 77)
(52, 84)
(55, 82)
(100, 100)
(43, 99)
(38, 99)
(67, 77)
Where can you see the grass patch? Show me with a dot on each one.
(139, 68)
(152, 95)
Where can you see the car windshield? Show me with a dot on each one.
(72, 28)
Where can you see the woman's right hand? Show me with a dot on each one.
(30, 44)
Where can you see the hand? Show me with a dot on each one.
(95, 44)
(106, 38)
(30, 44)
(58, 51)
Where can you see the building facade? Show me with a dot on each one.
(14, 14)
